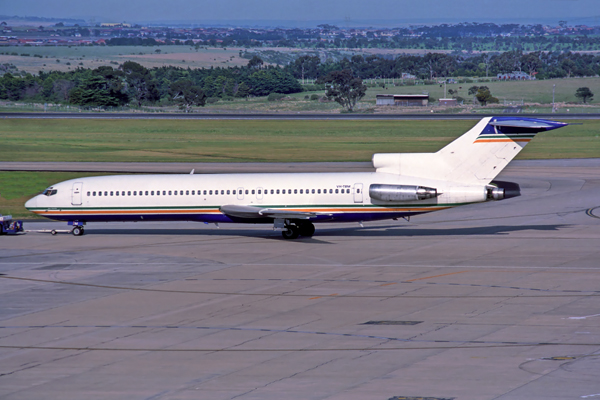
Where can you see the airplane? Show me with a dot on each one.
(403, 185)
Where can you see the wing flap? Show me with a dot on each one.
(251, 212)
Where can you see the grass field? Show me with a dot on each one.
(256, 140)
(238, 141)
(95, 56)
(18, 187)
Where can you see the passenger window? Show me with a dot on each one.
(330, 191)
(169, 192)
(272, 191)
(205, 192)
(88, 193)
(210, 192)
(164, 192)
(187, 192)
(246, 191)
(181, 192)
(123, 193)
(94, 193)
(128, 193)
(301, 191)
(111, 193)
(117, 193)
(193, 192)
(318, 191)
(336, 191)
(99, 193)
(222, 192)
(228, 192)
(357, 190)
(259, 191)
(348, 191)
(253, 191)
(313, 191)
(233, 191)
(277, 191)
(146, 193)
(295, 191)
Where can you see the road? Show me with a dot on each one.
(275, 116)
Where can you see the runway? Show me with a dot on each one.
(490, 301)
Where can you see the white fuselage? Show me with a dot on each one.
(337, 196)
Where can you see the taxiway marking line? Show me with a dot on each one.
(435, 276)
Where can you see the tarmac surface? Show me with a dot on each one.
(499, 300)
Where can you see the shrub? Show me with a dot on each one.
(314, 97)
(275, 96)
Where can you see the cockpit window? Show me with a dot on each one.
(50, 191)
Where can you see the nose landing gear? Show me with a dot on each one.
(77, 228)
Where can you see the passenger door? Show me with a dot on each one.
(358, 195)
(77, 193)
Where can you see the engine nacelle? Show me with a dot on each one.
(401, 192)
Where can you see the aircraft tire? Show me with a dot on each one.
(292, 232)
(77, 231)
(307, 229)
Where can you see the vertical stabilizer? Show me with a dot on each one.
(476, 157)
(479, 155)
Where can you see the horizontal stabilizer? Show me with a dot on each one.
(528, 123)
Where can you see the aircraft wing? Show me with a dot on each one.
(256, 212)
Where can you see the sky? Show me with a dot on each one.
(304, 12)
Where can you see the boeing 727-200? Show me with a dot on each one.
(403, 185)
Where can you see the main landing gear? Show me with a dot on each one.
(294, 229)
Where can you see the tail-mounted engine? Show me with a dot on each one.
(401, 192)
(495, 193)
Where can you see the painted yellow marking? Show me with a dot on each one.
(314, 298)
(435, 276)
(388, 284)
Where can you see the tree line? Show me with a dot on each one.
(135, 85)
(542, 65)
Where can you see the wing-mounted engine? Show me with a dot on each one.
(401, 192)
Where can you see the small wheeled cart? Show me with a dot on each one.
(8, 226)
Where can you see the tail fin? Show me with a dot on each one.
(476, 157)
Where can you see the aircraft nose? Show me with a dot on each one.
(31, 203)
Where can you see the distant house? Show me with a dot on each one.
(448, 102)
(515, 76)
(406, 100)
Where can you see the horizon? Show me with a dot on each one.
(310, 13)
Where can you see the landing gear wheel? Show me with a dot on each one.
(77, 231)
(53, 232)
(307, 229)
(292, 232)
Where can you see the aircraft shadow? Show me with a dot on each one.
(375, 231)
